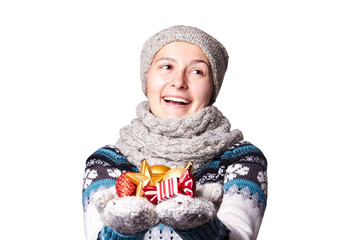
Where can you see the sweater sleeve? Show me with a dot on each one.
(242, 170)
(102, 169)
(245, 185)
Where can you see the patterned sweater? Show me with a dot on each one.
(241, 170)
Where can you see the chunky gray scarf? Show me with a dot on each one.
(198, 137)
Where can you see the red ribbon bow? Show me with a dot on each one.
(171, 187)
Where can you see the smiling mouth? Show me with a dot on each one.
(176, 100)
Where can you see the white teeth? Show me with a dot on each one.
(174, 99)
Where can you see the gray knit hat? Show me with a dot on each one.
(213, 49)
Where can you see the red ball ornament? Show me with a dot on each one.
(124, 187)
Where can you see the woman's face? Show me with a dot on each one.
(179, 81)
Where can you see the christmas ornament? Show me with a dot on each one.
(124, 187)
(142, 179)
(171, 187)
(158, 172)
(176, 171)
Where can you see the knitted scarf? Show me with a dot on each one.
(173, 142)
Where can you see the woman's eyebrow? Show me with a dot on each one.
(166, 59)
(194, 61)
(200, 61)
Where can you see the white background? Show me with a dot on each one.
(69, 74)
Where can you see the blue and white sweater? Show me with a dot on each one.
(241, 170)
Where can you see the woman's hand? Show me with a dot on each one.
(212, 192)
(126, 215)
(184, 213)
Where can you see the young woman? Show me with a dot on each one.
(182, 69)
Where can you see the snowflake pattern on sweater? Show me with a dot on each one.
(241, 170)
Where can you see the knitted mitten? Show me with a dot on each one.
(212, 192)
(183, 212)
(126, 215)
(195, 218)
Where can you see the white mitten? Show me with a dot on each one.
(183, 212)
(126, 215)
(212, 192)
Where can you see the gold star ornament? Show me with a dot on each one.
(142, 179)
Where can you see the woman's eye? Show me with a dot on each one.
(166, 67)
(197, 71)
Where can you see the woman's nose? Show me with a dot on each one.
(179, 81)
